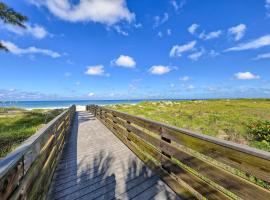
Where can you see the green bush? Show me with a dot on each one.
(260, 130)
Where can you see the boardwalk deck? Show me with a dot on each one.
(95, 164)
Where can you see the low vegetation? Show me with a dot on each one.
(16, 125)
(245, 121)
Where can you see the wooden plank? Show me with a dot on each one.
(247, 159)
(98, 175)
(227, 180)
(186, 177)
(235, 184)
(20, 168)
(252, 164)
(33, 172)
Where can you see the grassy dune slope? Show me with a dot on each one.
(225, 119)
(16, 125)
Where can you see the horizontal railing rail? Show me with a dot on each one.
(194, 165)
(26, 172)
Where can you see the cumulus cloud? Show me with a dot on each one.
(211, 35)
(246, 76)
(124, 61)
(160, 69)
(192, 29)
(253, 44)
(263, 56)
(103, 11)
(14, 49)
(184, 78)
(97, 70)
(177, 50)
(196, 55)
(91, 94)
(238, 31)
(160, 20)
(35, 30)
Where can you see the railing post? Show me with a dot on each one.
(165, 155)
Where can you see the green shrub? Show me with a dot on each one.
(260, 130)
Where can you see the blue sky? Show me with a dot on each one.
(102, 49)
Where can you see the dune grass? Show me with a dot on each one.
(225, 119)
(16, 125)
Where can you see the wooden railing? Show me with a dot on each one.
(193, 165)
(26, 173)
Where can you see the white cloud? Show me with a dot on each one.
(160, 20)
(169, 32)
(246, 76)
(254, 44)
(177, 50)
(213, 53)
(30, 50)
(103, 11)
(159, 69)
(35, 30)
(238, 31)
(120, 30)
(139, 25)
(78, 83)
(160, 34)
(184, 78)
(190, 87)
(263, 56)
(196, 55)
(211, 35)
(177, 6)
(91, 94)
(124, 61)
(192, 29)
(97, 70)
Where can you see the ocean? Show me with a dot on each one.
(63, 103)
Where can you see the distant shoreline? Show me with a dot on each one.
(62, 104)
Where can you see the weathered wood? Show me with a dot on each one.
(180, 174)
(96, 165)
(231, 182)
(20, 171)
(210, 175)
(250, 160)
(141, 149)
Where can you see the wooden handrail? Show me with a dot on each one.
(27, 171)
(205, 166)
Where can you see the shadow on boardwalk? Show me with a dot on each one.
(96, 165)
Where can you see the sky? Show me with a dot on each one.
(136, 49)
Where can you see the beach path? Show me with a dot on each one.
(95, 164)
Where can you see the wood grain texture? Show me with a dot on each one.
(26, 172)
(95, 164)
(168, 144)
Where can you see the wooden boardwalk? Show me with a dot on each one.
(95, 164)
(92, 160)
